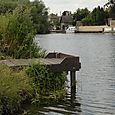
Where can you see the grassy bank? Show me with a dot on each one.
(15, 88)
(34, 85)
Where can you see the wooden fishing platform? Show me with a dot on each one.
(55, 62)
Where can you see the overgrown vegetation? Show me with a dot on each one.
(14, 89)
(46, 83)
(17, 33)
(34, 84)
(38, 12)
(98, 16)
(19, 23)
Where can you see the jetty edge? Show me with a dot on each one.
(54, 61)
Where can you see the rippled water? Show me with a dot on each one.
(95, 81)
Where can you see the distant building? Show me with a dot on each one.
(111, 22)
(53, 17)
(54, 20)
(66, 20)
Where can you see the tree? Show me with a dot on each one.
(111, 1)
(39, 16)
(38, 12)
(87, 20)
(112, 11)
(98, 16)
(9, 5)
(80, 14)
(17, 37)
(111, 8)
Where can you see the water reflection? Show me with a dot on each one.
(96, 79)
(65, 107)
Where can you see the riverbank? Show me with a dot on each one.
(33, 85)
(90, 29)
(95, 29)
(95, 81)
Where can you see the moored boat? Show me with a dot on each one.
(71, 29)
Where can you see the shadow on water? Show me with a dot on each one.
(95, 94)
(70, 105)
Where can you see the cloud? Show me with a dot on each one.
(58, 6)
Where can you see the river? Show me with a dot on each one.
(95, 93)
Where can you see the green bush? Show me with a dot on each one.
(46, 83)
(17, 34)
(37, 84)
(15, 88)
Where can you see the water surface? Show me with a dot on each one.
(95, 81)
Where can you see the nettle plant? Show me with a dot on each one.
(46, 81)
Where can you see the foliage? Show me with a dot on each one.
(39, 16)
(111, 1)
(112, 11)
(35, 84)
(45, 82)
(7, 6)
(98, 16)
(14, 89)
(80, 14)
(17, 34)
(38, 12)
(87, 21)
(65, 13)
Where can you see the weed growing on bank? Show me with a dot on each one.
(34, 84)
(14, 89)
(47, 85)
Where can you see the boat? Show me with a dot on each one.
(109, 30)
(71, 29)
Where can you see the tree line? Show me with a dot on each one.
(98, 16)
(20, 21)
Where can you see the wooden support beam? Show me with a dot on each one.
(73, 83)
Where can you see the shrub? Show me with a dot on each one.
(36, 84)
(46, 83)
(17, 34)
(14, 89)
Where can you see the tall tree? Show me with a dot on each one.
(99, 16)
(80, 14)
(112, 11)
(39, 16)
(10, 5)
(110, 8)
(38, 12)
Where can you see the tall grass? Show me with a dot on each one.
(47, 84)
(17, 34)
(35, 83)
(15, 88)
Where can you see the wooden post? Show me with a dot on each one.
(73, 83)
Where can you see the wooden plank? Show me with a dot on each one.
(56, 62)
(52, 60)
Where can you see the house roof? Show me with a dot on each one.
(66, 19)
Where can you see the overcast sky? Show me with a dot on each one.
(57, 6)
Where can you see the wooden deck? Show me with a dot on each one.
(56, 62)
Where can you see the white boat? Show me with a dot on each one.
(71, 29)
(109, 29)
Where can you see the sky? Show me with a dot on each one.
(58, 6)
